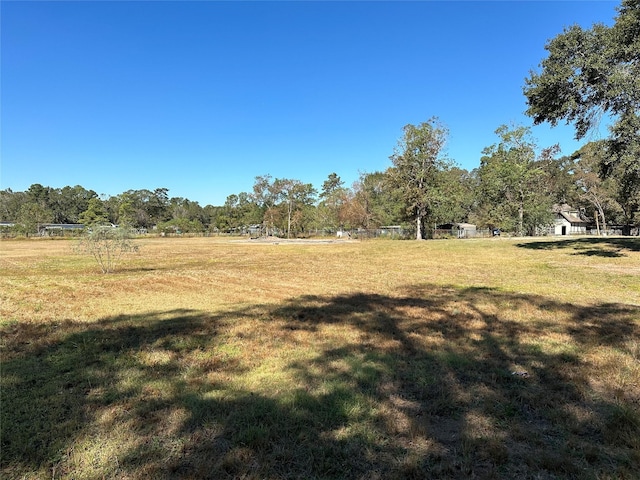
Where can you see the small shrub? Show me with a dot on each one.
(107, 245)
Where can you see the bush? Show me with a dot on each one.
(107, 245)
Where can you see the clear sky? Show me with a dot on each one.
(200, 97)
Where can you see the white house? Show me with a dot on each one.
(568, 221)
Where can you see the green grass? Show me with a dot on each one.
(208, 359)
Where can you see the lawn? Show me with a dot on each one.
(206, 358)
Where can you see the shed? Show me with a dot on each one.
(47, 229)
(568, 221)
(461, 230)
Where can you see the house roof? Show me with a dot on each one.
(64, 226)
(569, 213)
(571, 217)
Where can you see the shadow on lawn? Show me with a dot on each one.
(596, 246)
(435, 382)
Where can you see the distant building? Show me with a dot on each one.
(568, 221)
(460, 230)
(58, 229)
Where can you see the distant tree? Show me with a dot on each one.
(597, 191)
(214, 215)
(158, 205)
(69, 202)
(417, 163)
(545, 190)
(31, 216)
(134, 208)
(181, 225)
(126, 214)
(374, 201)
(590, 73)
(357, 211)
(266, 197)
(183, 208)
(64, 205)
(512, 193)
(559, 179)
(239, 211)
(39, 194)
(95, 214)
(10, 203)
(332, 200)
(145, 208)
(456, 196)
(331, 185)
(294, 195)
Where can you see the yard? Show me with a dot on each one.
(204, 358)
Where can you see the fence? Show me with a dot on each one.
(466, 233)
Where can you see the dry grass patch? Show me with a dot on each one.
(211, 359)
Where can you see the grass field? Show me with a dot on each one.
(203, 358)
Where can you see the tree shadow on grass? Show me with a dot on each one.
(596, 246)
(430, 382)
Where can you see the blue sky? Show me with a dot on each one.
(200, 97)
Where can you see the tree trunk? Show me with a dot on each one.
(418, 227)
(521, 221)
(600, 210)
(604, 221)
(521, 214)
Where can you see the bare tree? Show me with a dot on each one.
(107, 245)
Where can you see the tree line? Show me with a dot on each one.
(513, 189)
(588, 73)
